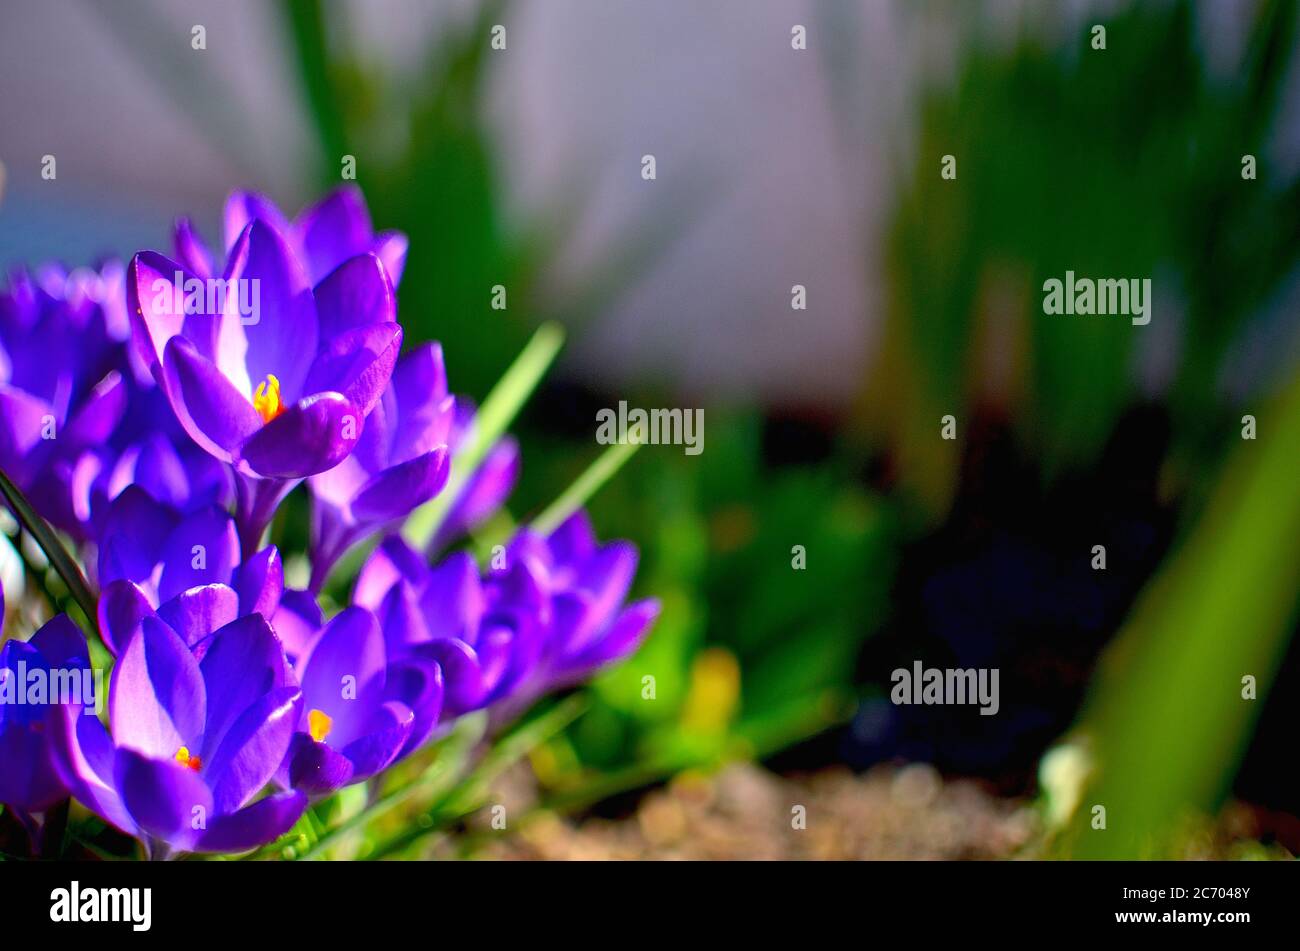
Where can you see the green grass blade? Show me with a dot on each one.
(1168, 724)
(585, 486)
(59, 557)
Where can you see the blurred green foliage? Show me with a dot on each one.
(1123, 162)
(726, 552)
(1171, 714)
(1117, 163)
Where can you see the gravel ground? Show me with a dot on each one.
(745, 812)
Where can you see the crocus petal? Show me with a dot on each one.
(85, 759)
(167, 800)
(621, 638)
(527, 547)
(390, 562)
(297, 622)
(463, 686)
(243, 207)
(417, 684)
(66, 493)
(453, 599)
(203, 549)
(134, 535)
(98, 414)
(282, 331)
(383, 735)
(197, 612)
(609, 572)
(157, 308)
(334, 229)
(397, 491)
(157, 700)
(260, 583)
(59, 641)
(155, 466)
(427, 412)
(505, 655)
(262, 822)
(243, 664)
(28, 782)
(357, 363)
(215, 414)
(357, 293)
(574, 540)
(333, 490)
(252, 749)
(391, 247)
(121, 608)
(22, 418)
(191, 250)
(315, 768)
(518, 589)
(403, 622)
(572, 622)
(343, 675)
(485, 493)
(605, 578)
(311, 436)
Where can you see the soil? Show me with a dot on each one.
(746, 812)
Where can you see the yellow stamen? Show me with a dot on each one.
(266, 399)
(319, 724)
(185, 759)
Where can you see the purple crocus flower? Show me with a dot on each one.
(400, 461)
(323, 236)
(151, 451)
(362, 709)
(551, 613)
(485, 633)
(59, 400)
(271, 367)
(193, 602)
(56, 654)
(197, 730)
(587, 584)
(81, 422)
(151, 554)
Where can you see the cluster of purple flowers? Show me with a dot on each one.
(158, 415)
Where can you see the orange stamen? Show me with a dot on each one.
(266, 399)
(319, 724)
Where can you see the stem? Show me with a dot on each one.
(464, 799)
(255, 506)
